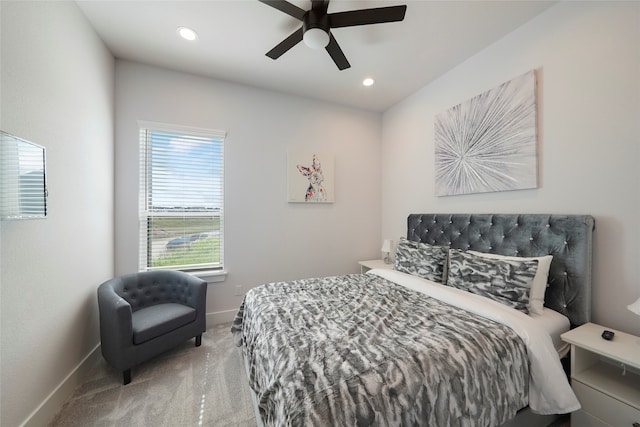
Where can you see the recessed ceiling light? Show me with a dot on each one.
(187, 33)
(368, 81)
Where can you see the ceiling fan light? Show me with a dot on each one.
(316, 38)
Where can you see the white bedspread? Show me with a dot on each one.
(555, 324)
(549, 390)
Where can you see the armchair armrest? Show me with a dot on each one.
(116, 330)
(197, 293)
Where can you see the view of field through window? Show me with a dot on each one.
(185, 241)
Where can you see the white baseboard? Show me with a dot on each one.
(218, 317)
(45, 412)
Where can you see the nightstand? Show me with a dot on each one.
(605, 376)
(374, 263)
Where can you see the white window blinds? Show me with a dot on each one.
(23, 182)
(181, 198)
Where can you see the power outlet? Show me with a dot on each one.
(238, 290)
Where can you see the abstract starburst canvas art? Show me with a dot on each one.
(488, 143)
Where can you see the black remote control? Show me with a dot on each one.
(607, 335)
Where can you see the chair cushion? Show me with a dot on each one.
(151, 322)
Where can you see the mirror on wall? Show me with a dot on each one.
(23, 178)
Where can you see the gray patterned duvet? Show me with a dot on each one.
(362, 350)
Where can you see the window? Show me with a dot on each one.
(181, 198)
(23, 184)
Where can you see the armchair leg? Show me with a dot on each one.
(198, 340)
(126, 376)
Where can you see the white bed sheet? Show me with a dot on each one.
(549, 390)
(555, 324)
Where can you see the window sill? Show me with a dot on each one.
(211, 276)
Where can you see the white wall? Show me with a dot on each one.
(587, 55)
(57, 91)
(266, 238)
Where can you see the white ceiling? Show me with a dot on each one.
(234, 36)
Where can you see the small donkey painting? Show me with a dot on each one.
(315, 191)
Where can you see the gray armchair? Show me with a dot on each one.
(145, 314)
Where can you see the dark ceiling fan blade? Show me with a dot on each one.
(286, 44)
(367, 16)
(336, 53)
(286, 7)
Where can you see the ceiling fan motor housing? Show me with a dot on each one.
(315, 19)
(316, 27)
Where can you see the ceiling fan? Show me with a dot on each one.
(317, 24)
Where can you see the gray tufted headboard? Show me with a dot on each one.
(567, 237)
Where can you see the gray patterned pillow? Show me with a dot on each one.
(505, 281)
(421, 259)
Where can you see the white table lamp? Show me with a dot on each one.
(386, 250)
(635, 307)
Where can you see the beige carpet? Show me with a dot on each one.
(188, 386)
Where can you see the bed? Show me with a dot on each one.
(452, 336)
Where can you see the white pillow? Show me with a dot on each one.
(539, 285)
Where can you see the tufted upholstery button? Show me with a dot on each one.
(548, 225)
(565, 273)
(531, 239)
(565, 242)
